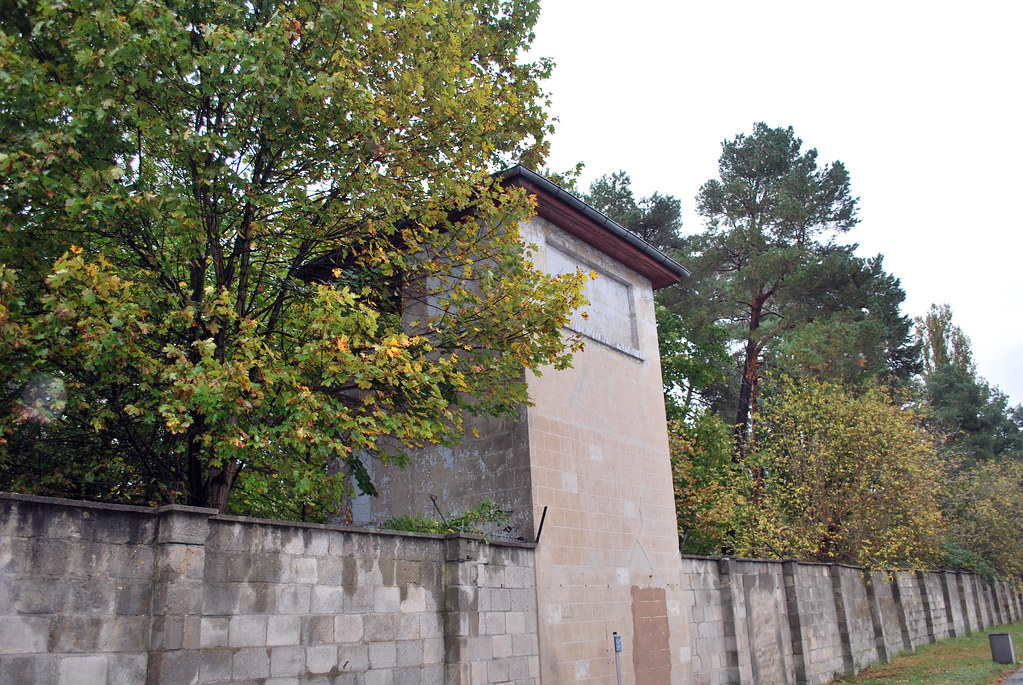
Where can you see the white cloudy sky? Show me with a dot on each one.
(920, 100)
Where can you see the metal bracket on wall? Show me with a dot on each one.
(543, 517)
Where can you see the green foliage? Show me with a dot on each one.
(956, 558)
(656, 219)
(474, 521)
(247, 246)
(846, 477)
(982, 509)
(973, 419)
(770, 215)
(705, 480)
(942, 342)
(691, 362)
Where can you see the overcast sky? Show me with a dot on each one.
(920, 100)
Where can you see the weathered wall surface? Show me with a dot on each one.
(93, 594)
(97, 594)
(494, 466)
(608, 557)
(773, 623)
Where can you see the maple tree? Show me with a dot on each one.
(248, 246)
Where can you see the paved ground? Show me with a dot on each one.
(1016, 678)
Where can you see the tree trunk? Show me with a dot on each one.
(749, 376)
(196, 491)
(220, 484)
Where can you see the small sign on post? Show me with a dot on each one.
(618, 659)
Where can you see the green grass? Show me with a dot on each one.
(960, 661)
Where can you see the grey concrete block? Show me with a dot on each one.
(258, 598)
(15, 556)
(133, 597)
(250, 662)
(221, 599)
(494, 623)
(327, 599)
(18, 669)
(379, 627)
(431, 625)
(523, 600)
(283, 630)
(349, 628)
(330, 571)
(433, 650)
(384, 677)
(321, 658)
(180, 667)
(215, 665)
(413, 599)
(358, 599)
(181, 598)
(386, 599)
(49, 557)
(525, 645)
(410, 676)
(515, 622)
(125, 634)
(502, 646)
(409, 653)
(91, 596)
(337, 543)
(318, 630)
(287, 661)
(294, 599)
(247, 631)
(184, 525)
(303, 570)
(168, 632)
(406, 626)
(81, 670)
(40, 595)
(260, 567)
(354, 657)
(131, 562)
(214, 632)
(383, 654)
(518, 669)
(497, 671)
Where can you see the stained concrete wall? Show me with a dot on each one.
(97, 594)
(493, 466)
(768, 622)
(608, 557)
(106, 594)
(591, 451)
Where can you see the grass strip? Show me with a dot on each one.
(959, 661)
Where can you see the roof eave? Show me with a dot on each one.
(576, 217)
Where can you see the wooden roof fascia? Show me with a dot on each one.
(581, 221)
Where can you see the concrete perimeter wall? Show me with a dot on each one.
(96, 594)
(773, 622)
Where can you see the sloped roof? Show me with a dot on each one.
(578, 219)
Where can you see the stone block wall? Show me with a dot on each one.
(97, 594)
(709, 651)
(856, 620)
(94, 594)
(76, 587)
(765, 622)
